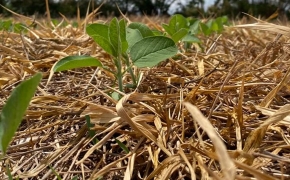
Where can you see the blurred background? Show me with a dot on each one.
(196, 8)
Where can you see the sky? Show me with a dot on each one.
(207, 3)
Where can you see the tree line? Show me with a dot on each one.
(231, 8)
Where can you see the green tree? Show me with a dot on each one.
(192, 8)
(234, 8)
(27, 7)
(151, 7)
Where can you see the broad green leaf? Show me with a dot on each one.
(144, 30)
(179, 35)
(105, 44)
(14, 109)
(123, 38)
(71, 62)
(177, 22)
(191, 39)
(169, 30)
(158, 33)
(6, 25)
(220, 25)
(114, 36)
(100, 34)
(214, 26)
(133, 36)
(194, 28)
(116, 96)
(98, 29)
(18, 27)
(209, 23)
(221, 21)
(123, 146)
(151, 50)
(192, 20)
(205, 29)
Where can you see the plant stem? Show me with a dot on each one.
(119, 74)
(129, 68)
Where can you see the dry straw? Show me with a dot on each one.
(242, 84)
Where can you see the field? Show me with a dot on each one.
(217, 110)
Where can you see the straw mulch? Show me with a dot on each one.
(216, 113)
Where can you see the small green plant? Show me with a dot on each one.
(8, 25)
(177, 28)
(90, 131)
(55, 173)
(10, 177)
(186, 30)
(136, 44)
(123, 146)
(14, 109)
(58, 176)
(130, 45)
(60, 24)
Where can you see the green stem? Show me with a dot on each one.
(129, 68)
(119, 74)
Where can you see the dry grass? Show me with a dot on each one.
(222, 114)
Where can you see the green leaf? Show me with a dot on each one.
(123, 38)
(177, 22)
(214, 26)
(6, 25)
(131, 86)
(105, 44)
(55, 173)
(168, 29)
(10, 177)
(116, 96)
(123, 146)
(209, 23)
(192, 20)
(179, 35)
(98, 29)
(194, 28)
(133, 36)
(143, 29)
(205, 29)
(14, 109)
(151, 50)
(100, 34)
(91, 132)
(18, 27)
(158, 33)
(75, 24)
(191, 39)
(71, 62)
(114, 36)
(221, 21)
(55, 22)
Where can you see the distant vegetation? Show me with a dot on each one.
(231, 8)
